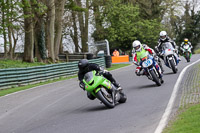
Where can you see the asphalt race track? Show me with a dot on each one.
(63, 107)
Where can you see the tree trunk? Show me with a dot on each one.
(39, 33)
(61, 51)
(15, 39)
(75, 34)
(59, 4)
(36, 38)
(10, 42)
(50, 29)
(29, 35)
(85, 48)
(10, 27)
(83, 26)
(4, 29)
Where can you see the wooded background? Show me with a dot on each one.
(43, 25)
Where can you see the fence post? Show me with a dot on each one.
(67, 58)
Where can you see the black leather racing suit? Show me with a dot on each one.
(91, 67)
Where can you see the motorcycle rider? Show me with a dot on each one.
(84, 67)
(186, 42)
(138, 49)
(164, 38)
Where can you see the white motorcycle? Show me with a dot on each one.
(170, 56)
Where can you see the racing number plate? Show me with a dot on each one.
(147, 63)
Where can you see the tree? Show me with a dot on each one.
(150, 9)
(83, 23)
(99, 14)
(79, 26)
(3, 25)
(10, 25)
(125, 25)
(29, 34)
(75, 29)
(187, 24)
(50, 30)
(59, 5)
(39, 10)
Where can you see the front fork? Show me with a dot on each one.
(190, 54)
(156, 70)
(171, 58)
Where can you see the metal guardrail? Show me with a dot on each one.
(14, 77)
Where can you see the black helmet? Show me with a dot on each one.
(82, 64)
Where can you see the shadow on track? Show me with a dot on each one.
(147, 86)
(169, 73)
(97, 108)
(86, 109)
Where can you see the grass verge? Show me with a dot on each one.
(188, 121)
(116, 66)
(197, 51)
(17, 64)
(15, 89)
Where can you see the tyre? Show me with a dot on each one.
(106, 98)
(108, 61)
(155, 78)
(174, 69)
(123, 97)
(187, 57)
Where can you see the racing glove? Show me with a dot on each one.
(101, 72)
(82, 85)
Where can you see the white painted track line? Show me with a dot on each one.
(168, 110)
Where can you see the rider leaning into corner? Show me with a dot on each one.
(138, 50)
(185, 42)
(84, 67)
(164, 38)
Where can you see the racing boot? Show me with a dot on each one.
(161, 67)
(117, 85)
(160, 64)
(162, 81)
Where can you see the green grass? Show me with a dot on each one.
(187, 121)
(197, 51)
(15, 89)
(17, 63)
(116, 66)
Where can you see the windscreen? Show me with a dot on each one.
(88, 76)
(186, 46)
(167, 45)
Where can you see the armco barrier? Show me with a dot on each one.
(23, 76)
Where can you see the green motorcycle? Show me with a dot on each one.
(103, 89)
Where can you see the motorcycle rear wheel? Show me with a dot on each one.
(103, 97)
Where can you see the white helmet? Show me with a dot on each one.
(137, 45)
(163, 35)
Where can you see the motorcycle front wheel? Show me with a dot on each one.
(106, 98)
(187, 56)
(123, 97)
(174, 69)
(155, 78)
